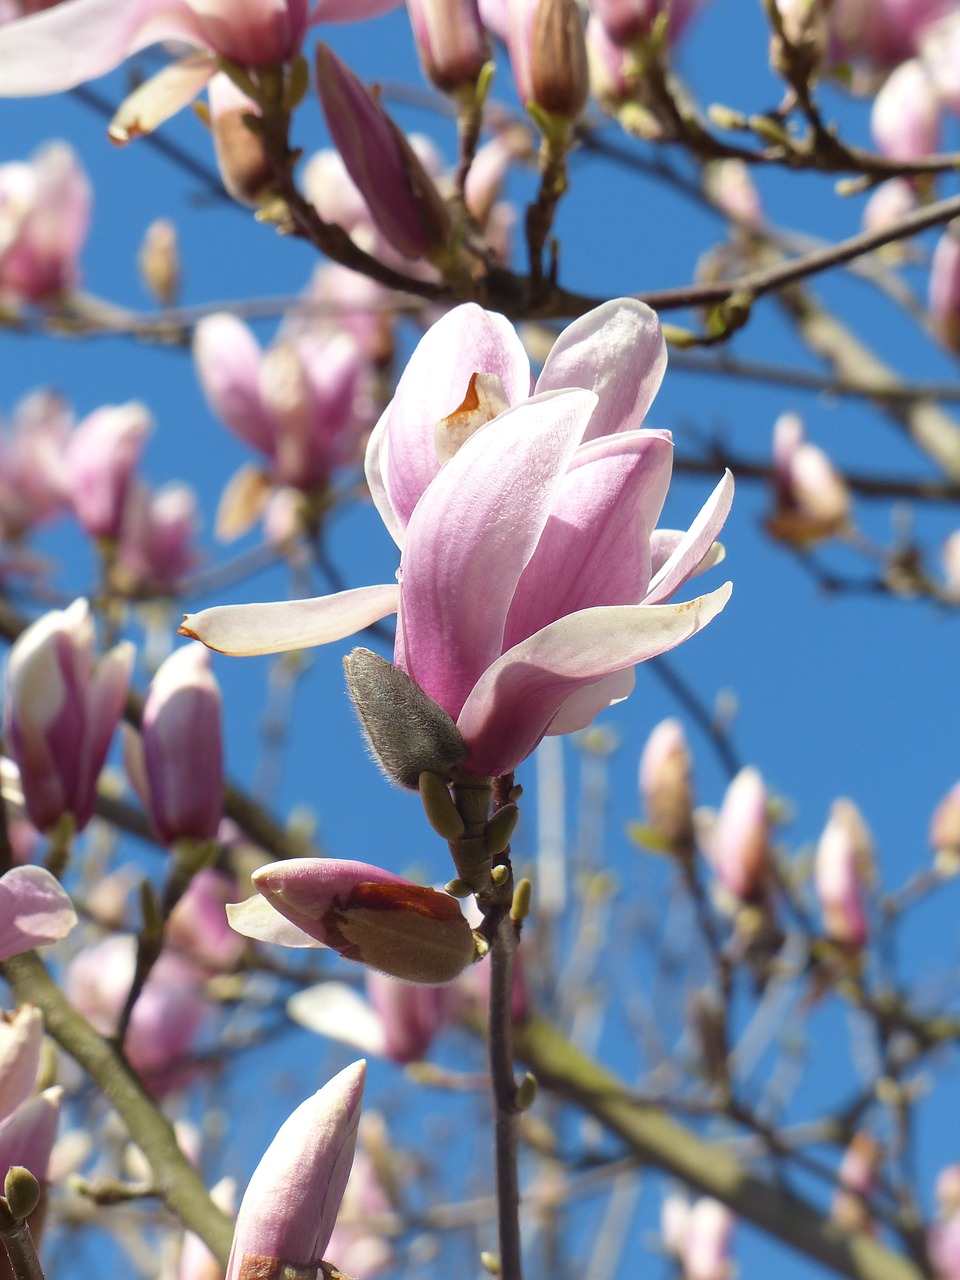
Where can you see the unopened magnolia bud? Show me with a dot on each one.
(500, 828)
(666, 786)
(548, 54)
(945, 832)
(241, 155)
(22, 1192)
(409, 733)
(439, 807)
(159, 261)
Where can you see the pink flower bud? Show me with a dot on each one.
(666, 786)
(401, 197)
(857, 1177)
(44, 215)
(363, 912)
(889, 203)
(198, 925)
(739, 844)
(157, 538)
(729, 184)
(61, 710)
(27, 1136)
(21, 1037)
(182, 748)
(843, 865)
(944, 293)
(166, 1018)
(101, 458)
(451, 40)
(628, 20)
(945, 831)
(32, 474)
(812, 500)
(705, 1254)
(291, 1203)
(905, 120)
(548, 54)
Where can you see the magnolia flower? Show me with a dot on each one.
(44, 215)
(532, 578)
(34, 910)
(79, 40)
(842, 869)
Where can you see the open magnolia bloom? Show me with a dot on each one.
(78, 40)
(532, 577)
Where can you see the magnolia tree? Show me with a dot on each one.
(600, 1033)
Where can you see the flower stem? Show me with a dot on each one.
(506, 1112)
(22, 1251)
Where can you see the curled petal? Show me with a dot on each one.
(664, 542)
(512, 705)
(689, 554)
(228, 360)
(34, 910)
(255, 918)
(401, 457)
(583, 707)
(616, 350)
(161, 97)
(246, 629)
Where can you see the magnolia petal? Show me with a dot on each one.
(228, 359)
(161, 97)
(513, 703)
(616, 350)
(687, 557)
(34, 910)
(465, 341)
(256, 918)
(285, 625)
(583, 707)
(594, 547)
(664, 542)
(351, 10)
(79, 40)
(472, 534)
(335, 1010)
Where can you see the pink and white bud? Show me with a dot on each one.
(288, 1212)
(452, 41)
(698, 1235)
(21, 1038)
(630, 20)
(666, 785)
(33, 484)
(548, 54)
(944, 289)
(890, 203)
(27, 1136)
(166, 1019)
(157, 538)
(400, 195)
(363, 912)
(44, 216)
(241, 154)
(945, 832)
(842, 868)
(905, 120)
(857, 1179)
(198, 925)
(729, 184)
(939, 47)
(183, 748)
(812, 499)
(101, 459)
(61, 710)
(739, 844)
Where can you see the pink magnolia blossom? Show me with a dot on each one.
(812, 499)
(532, 577)
(79, 40)
(666, 785)
(698, 1235)
(102, 456)
(166, 1019)
(32, 474)
(290, 1206)
(34, 910)
(363, 912)
(44, 216)
(738, 846)
(300, 403)
(626, 20)
(157, 547)
(61, 710)
(905, 120)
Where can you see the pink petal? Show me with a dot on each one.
(256, 918)
(246, 629)
(583, 707)
(594, 549)
(465, 341)
(515, 700)
(333, 1009)
(690, 553)
(161, 97)
(81, 39)
(472, 534)
(34, 910)
(616, 350)
(351, 10)
(664, 542)
(228, 360)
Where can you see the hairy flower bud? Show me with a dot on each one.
(548, 54)
(666, 786)
(739, 845)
